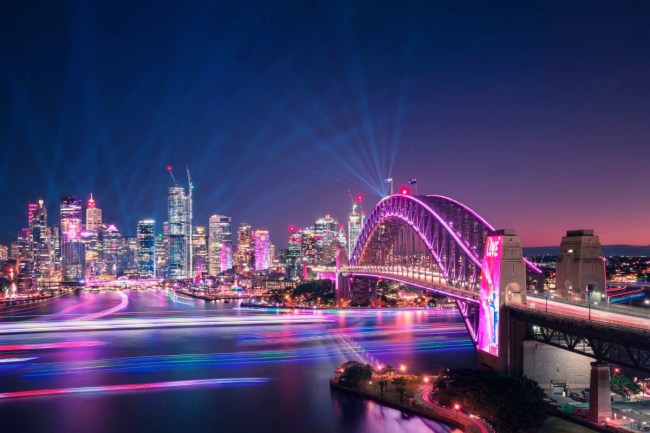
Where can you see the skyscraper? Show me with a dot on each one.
(220, 231)
(262, 250)
(226, 256)
(93, 215)
(110, 252)
(72, 249)
(146, 249)
(199, 250)
(355, 223)
(327, 244)
(39, 237)
(244, 246)
(179, 216)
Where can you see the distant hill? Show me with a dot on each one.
(608, 250)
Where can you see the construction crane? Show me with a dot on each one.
(190, 187)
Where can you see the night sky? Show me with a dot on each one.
(535, 114)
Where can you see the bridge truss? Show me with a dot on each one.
(430, 237)
(621, 345)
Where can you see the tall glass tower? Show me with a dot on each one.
(262, 250)
(220, 231)
(39, 238)
(93, 215)
(146, 249)
(72, 248)
(244, 246)
(355, 223)
(179, 216)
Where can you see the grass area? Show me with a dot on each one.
(558, 425)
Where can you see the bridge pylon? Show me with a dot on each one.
(342, 284)
(503, 281)
(580, 267)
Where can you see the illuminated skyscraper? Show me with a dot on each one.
(39, 236)
(4, 253)
(262, 250)
(111, 247)
(92, 247)
(162, 249)
(244, 247)
(72, 249)
(179, 215)
(226, 256)
(308, 249)
(327, 244)
(355, 223)
(146, 249)
(292, 261)
(199, 250)
(93, 215)
(220, 228)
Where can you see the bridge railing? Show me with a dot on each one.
(616, 320)
(439, 284)
(599, 306)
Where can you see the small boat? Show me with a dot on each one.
(226, 301)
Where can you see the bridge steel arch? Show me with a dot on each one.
(451, 232)
(438, 244)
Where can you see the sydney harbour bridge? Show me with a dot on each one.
(440, 245)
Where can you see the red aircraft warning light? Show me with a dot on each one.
(405, 190)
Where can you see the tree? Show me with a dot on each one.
(400, 386)
(624, 385)
(389, 369)
(495, 397)
(383, 384)
(356, 374)
(312, 291)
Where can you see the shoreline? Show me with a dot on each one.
(449, 417)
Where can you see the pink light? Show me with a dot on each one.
(131, 387)
(359, 198)
(61, 345)
(169, 168)
(488, 334)
(405, 190)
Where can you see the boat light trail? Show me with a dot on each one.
(158, 322)
(124, 302)
(134, 387)
(12, 360)
(58, 345)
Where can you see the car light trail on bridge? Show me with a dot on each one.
(135, 387)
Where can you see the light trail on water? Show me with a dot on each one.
(124, 302)
(57, 345)
(134, 387)
(8, 328)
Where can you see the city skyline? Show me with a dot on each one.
(535, 116)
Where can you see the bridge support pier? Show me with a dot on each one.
(600, 403)
(503, 280)
(342, 290)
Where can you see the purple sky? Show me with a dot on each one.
(536, 115)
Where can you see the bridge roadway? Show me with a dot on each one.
(630, 318)
(423, 279)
